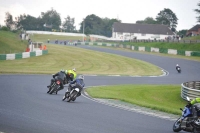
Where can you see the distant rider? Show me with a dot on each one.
(60, 76)
(77, 83)
(71, 74)
(177, 66)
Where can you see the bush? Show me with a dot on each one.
(5, 28)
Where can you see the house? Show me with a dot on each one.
(194, 31)
(127, 31)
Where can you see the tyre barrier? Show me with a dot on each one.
(190, 89)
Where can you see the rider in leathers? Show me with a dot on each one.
(77, 83)
(71, 74)
(61, 77)
(192, 104)
(177, 66)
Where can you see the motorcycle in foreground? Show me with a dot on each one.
(55, 87)
(187, 122)
(72, 95)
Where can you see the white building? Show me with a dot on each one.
(125, 31)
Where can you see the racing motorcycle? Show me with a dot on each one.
(187, 122)
(179, 70)
(72, 95)
(55, 87)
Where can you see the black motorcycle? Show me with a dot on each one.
(187, 122)
(72, 95)
(55, 86)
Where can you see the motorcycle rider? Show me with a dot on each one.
(61, 77)
(70, 74)
(177, 66)
(77, 83)
(192, 104)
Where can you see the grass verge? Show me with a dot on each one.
(85, 61)
(164, 98)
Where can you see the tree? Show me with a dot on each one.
(9, 20)
(182, 32)
(51, 19)
(108, 23)
(26, 22)
(198, 12)
(68, 24)
(167, 17)
(98, 26)
(148, 20)
(92, 25)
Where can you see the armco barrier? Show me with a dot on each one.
(190, 89)
(22, 55)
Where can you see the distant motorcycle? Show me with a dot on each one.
(72, 95)
(55, 87)
(187, 122)
(179, 70)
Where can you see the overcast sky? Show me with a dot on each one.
(129, 11)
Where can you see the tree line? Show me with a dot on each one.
(51, 21)
(92, 24)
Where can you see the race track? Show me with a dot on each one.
(25, 107)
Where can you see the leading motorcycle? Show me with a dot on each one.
(55, 87)
(187, 122)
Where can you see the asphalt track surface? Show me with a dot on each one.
(25, 107)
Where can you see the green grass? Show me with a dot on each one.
(85, 61)
(192, 38)
(11, 43)
(44, 38)
(164, 98)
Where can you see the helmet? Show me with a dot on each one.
(81, 77)
(62, 70)
(74, 69)
(176, 64)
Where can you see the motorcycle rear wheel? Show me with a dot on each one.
(177, 125)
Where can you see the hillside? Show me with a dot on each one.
(11, 43)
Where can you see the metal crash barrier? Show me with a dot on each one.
(190, 89)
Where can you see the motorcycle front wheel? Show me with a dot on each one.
(72, 96)
(65, 96)
(53, 89)
(177, 125)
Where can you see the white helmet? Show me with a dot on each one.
(74, 69)
(176, 64)
(62, 70)
(81, 77)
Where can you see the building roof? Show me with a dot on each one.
(195, 28)
(142, 28)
